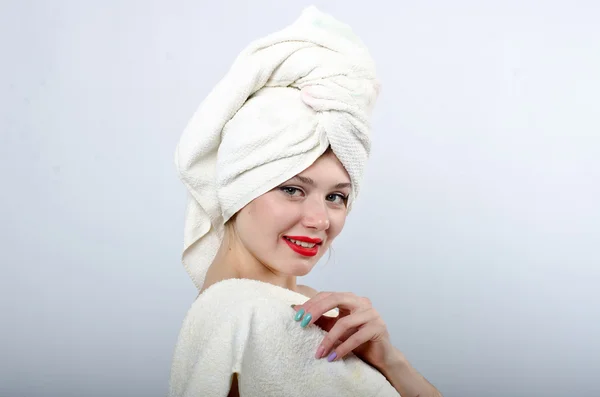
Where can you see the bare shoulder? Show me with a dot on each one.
(307, 291)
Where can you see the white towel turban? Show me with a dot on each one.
(286, 98)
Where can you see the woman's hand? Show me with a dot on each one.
(358, 328)
(361, 330)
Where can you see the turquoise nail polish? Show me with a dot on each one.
(299, 315)
(306, 320)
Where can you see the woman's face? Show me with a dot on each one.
(289, 228)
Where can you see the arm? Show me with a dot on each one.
(405, 379)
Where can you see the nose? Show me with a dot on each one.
(316, 215)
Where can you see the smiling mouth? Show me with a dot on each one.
(300, 243)
(304, 248)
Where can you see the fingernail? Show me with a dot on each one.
(299, 315)
(320, 352)
(306, 320)
(332, 356)
(293, 306)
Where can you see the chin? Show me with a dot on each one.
(301, 269)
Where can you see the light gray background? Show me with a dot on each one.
(476, 235)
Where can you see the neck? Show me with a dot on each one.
(233, 260)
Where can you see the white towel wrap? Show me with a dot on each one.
(286, 98)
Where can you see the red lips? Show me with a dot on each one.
(304, 251)
(306, 239)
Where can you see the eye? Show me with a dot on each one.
(337, 198)
(291, 191)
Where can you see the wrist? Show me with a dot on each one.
(404, 377)
(394, 362)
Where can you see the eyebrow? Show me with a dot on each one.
(311, 182)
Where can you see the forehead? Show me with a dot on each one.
(327, 168)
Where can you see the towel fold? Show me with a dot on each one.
(247, 327)
(286, 98)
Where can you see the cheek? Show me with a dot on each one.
(270, 215)
(277, 211)
(268, 209)
(337, 221)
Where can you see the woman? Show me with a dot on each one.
(273, 161)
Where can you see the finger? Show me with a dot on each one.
(326, 322)
(309, 302)
(345, 301)
(360, 337)
(303, 314)
(344, 329)
(347, 334)
(318, 297)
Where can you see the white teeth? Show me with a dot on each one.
(301, 243)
